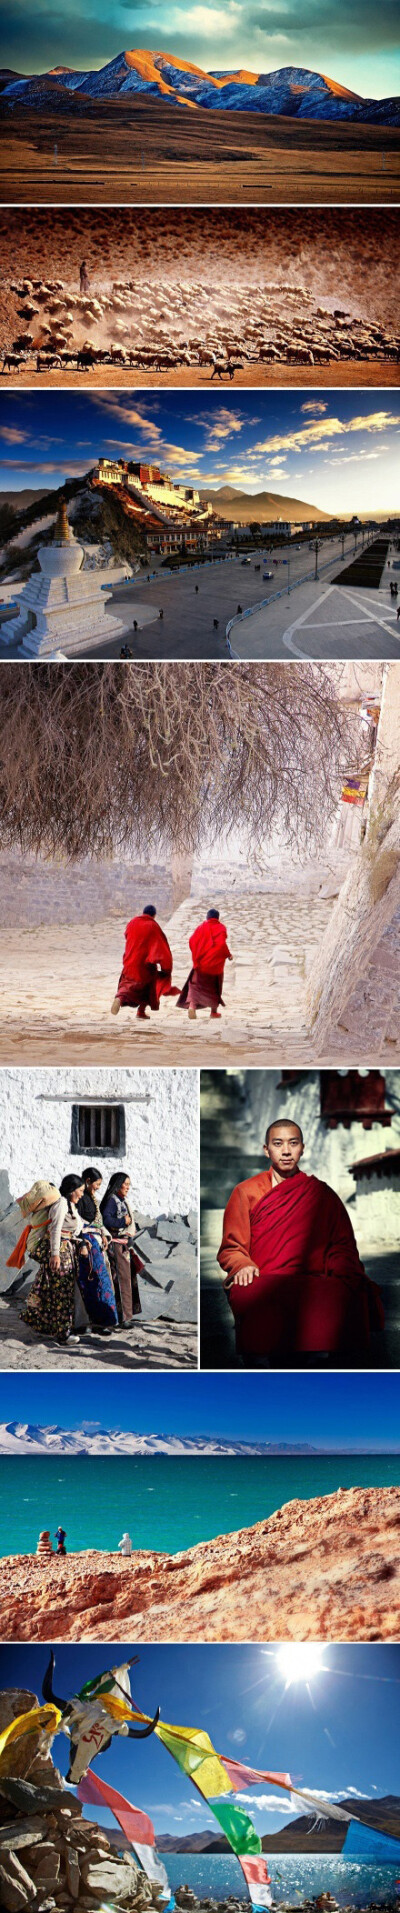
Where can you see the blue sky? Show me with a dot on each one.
(354, 42)
(333, 1409)
(337, 450)
(334, 1732)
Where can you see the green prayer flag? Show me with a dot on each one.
(238, 1828)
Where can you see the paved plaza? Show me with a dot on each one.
(316, 619)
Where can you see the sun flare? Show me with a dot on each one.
(299, 1660)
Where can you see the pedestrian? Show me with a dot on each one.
(125, 1546)
(196, 587)
(135, 624)
(398, 613)
(239, 611)
(204, 985)
(147, 965)
(216, 623)
(60, 1538)
(161, 614)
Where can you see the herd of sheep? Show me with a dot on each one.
(161, 326)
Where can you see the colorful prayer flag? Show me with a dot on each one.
(134, 1823)
(371, 1844)
(241, 1776)
(354, 791)
(37, 1720)
(113, 1679)
(258, 1880)
(196, 1756)
(238, 1828)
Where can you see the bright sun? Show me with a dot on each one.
(298, 1660)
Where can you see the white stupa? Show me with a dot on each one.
(63, 605)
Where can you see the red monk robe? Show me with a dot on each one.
(203, 987)
(312, 1293)
(147, 966)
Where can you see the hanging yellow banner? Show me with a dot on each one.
(38, 1720)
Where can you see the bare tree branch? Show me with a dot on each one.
(96, 756)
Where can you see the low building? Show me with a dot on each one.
(377, 1179)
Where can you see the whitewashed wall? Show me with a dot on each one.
(161, 1134)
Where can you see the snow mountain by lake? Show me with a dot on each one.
(26, 1438)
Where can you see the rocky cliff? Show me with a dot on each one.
(327, 1569)
(50, 1857)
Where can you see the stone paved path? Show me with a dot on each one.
(154, 1345)
(58, 984)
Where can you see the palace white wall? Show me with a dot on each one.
(161, 1154)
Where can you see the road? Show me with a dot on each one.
(187, 627)
(324, 620)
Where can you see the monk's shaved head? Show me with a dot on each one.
(283, 1122)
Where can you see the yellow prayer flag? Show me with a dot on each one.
(119, 1709)
(196, 1755)
(37, 1720)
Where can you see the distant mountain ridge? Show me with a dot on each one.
(295, 92)
(301, 1835)
(261, 507)
(26, 1438)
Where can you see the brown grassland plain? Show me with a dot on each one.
(150, 154)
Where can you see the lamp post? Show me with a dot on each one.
(316, 549)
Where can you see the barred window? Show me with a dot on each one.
(98, 1129)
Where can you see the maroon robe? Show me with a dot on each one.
(203, 987)
(312, 1293)
(147, 966)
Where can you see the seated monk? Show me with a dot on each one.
(203, 988)
(147, 966)
(294, 1279)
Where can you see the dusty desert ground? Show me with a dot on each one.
(147, 154)
(327, 1569)
(291, 294)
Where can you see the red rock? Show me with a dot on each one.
(317, 1570)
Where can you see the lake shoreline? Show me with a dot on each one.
(314, 1570)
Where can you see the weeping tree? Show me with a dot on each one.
(99, 756)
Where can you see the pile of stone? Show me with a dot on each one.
(51, 1859)
(167, 1247)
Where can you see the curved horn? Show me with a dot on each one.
(142, 1733)
(47, 1686)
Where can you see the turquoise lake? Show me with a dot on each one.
(166, 1502)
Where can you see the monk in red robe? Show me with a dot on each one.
(204, 985)
(293, 1275)
(147, 966)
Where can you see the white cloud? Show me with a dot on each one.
(319, 433)
(264, 1803)
(12, 436)
(214, 22)
(319, 406)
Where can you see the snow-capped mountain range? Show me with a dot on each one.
(296, 92)
(25, 1438)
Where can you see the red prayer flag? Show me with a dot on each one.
(134, 1823)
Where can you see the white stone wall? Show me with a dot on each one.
(161, 1154)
